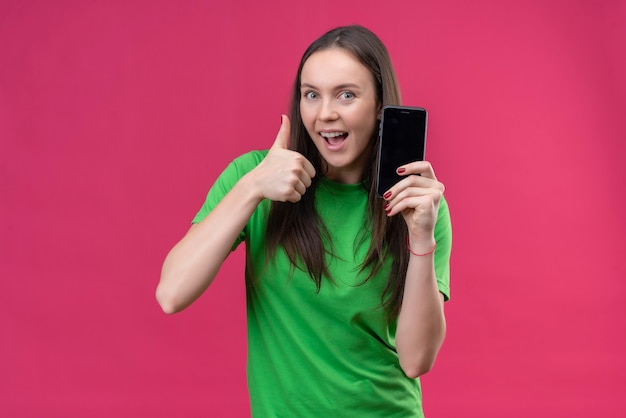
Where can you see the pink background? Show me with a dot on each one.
(116, 117)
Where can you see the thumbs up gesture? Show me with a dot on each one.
(282, 139)
(283, 175)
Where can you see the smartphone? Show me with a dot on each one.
(402, 140)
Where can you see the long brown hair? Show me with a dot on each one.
(297, 228)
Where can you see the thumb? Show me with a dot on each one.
(282, 139)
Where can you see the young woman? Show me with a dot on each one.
(345, 290)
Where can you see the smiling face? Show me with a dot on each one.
(339, 111)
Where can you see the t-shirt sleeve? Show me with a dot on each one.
(225, 182)
(443, 237)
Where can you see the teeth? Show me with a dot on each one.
(331, 134)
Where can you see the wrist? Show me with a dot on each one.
(250, 184)
(421, 246)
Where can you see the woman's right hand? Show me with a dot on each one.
(193, 263)
(283, 175)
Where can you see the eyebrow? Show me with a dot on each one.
(339, 87)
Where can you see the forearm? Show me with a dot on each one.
(193, 263)
(421, 322)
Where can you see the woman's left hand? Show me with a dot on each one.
(417, 197)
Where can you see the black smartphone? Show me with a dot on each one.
(402, 140)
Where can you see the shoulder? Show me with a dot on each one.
(443, 227)
(237, 168)
(247, 161)
(443, 205)
(241, 165)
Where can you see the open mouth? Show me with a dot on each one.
(334, 138)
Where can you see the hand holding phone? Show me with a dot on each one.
(402, 140)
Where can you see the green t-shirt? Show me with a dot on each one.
(332, 353)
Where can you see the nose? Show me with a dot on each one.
(328, 110)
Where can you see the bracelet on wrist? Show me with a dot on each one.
(408, 244)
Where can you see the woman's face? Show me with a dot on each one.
(339, 111)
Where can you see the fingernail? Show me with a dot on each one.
(386, 207)
(387, 195)
(401, 170)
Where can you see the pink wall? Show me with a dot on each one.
(116, 117)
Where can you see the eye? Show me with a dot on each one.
(346, 95)
(310, 95)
